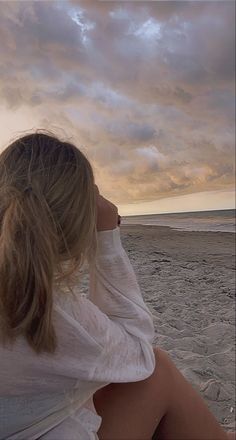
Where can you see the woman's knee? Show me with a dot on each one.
(163, 362)
(135, 407)
(162, 354)
(158, 384)
(163, 377)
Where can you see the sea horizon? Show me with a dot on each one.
(180, 212)
(215, 220)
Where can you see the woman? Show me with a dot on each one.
(74, 367)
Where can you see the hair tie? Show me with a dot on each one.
(28, 189)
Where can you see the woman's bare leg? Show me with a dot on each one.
(164, 403)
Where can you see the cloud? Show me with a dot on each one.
(146, 89)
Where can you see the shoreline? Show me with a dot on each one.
(137, 225)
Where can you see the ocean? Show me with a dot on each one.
(220, 220)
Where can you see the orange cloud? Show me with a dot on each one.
(146, 89)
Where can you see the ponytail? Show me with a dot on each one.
(27, 264)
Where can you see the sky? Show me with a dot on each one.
(144, 88)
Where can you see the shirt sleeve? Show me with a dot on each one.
(124, 326)
(106, 337)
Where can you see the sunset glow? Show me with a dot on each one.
(145, 89)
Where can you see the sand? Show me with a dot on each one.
(188, 281)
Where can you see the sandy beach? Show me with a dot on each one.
(188, 281)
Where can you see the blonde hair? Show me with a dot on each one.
(47, 232)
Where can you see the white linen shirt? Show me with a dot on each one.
(103, 338)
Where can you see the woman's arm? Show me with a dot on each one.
(114, 287)
(122, 321)
(111, 331)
